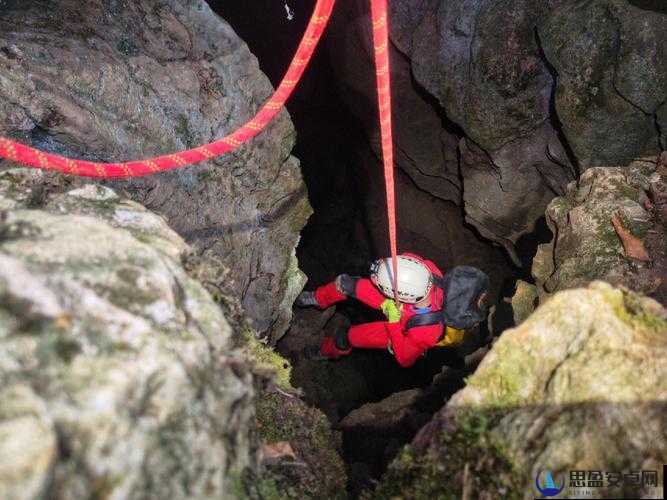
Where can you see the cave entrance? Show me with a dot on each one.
(377, 405)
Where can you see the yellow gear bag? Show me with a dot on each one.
(452, 337)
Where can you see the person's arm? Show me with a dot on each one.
(363, 290)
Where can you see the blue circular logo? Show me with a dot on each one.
(548, 488)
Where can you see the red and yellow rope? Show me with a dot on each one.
(31, 157)
(383, 84)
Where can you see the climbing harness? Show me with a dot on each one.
(35, 158)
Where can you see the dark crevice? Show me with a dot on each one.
(553, 113)
(347, 230)
(447, 123)
(662, 134)
(650, 5)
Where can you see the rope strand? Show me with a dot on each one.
(34, 158)
(383, 83)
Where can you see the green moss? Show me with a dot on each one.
(56, 343)
(430, 474)
(127, 296)
(610, 242)
(266, 409)
(204, 176)
(321, 473)
(559, 207)
(127, 48)
(122, 347)
(267, 486)
(503, 382)
(622, 189)
(266, 358)
(634, 310)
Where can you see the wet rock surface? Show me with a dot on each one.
(119, 80)
(580, 383)
(425, 149)
(116, 372)
(516, 176)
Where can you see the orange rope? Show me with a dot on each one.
(383, 83)
(31, 157)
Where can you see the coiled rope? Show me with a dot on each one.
(35, 158)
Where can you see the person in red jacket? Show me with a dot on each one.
(417, 295)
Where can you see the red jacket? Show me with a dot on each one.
(407, 344)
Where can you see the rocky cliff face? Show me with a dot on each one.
(578, 385)
(499, 104)
(611, 88)
(125, 80)
(119, 375)
(116, 374)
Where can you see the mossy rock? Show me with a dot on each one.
(317, 471)
(112, 358)
(579, 385)
(586, 247)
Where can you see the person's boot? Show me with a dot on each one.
(331, 347)
(330, 350)
(306, 299)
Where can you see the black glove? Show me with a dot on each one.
(347, 284)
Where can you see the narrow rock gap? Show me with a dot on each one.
(553, 113)
(377, 405)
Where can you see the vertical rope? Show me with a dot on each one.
(383, 83)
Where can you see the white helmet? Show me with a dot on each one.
(414, 278)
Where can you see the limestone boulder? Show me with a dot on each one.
(117, 374)
(587, 246)
(579, 385)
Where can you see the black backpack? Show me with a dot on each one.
(462, 286)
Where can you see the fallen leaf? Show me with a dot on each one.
(633, 246)
(63, 321)
(276, 451)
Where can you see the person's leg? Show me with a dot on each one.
(361, 289)
(336, 346)
(366, 336)
(369, 335)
